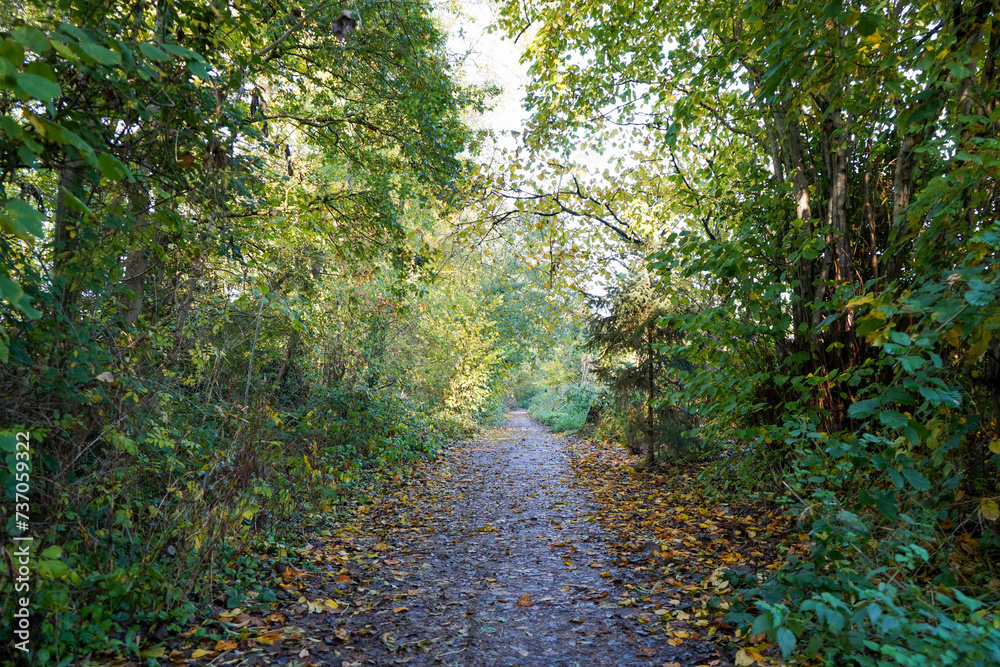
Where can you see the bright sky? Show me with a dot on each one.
(491, 59)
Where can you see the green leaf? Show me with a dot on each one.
(10, 290)
(154, 53)
(112, 167)
(947, 397)
(42, 69)
(38, 87)
(7, 69)
(867, 25)
(25, 217)
(55, 551)
(32, 38)
(918, 481)
(199, 69)
(892, 419)
(761, 624)
(861, 409)
(65, 51)
(12, 51)
(977, 298)
(786, 641)
(899, 338)
(100, 54)
(886, 506)
(187, 54)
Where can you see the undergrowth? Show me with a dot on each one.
(133, 540)
(564, 407)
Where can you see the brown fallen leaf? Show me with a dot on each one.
(525, 601)
(223, 645)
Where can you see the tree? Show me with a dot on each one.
(827, 174)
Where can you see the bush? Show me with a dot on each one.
(132, 541)
(564, 407)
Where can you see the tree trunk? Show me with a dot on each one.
(65, 231)
(650, 434)
(290, 351)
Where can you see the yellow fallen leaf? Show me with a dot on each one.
(382, 546)
(748, 656)
(201, 653)
(400, 610)
(661, 612)
(989, 509)
(332, 604)
(223, 645)
(341, 634)
(995, 446)
(155, 652)
(270, 637)
(231, 613)
(524, 601)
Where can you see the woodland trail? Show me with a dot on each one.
(489, 558)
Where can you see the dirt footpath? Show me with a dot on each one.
(487, 558)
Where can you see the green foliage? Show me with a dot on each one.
(826, 181)
(218, 224)
(564, 407)
(627, 337)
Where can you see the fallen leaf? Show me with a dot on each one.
(746, 657)
(525, 601)
(201, 653)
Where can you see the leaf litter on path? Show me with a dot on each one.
(516, 548)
